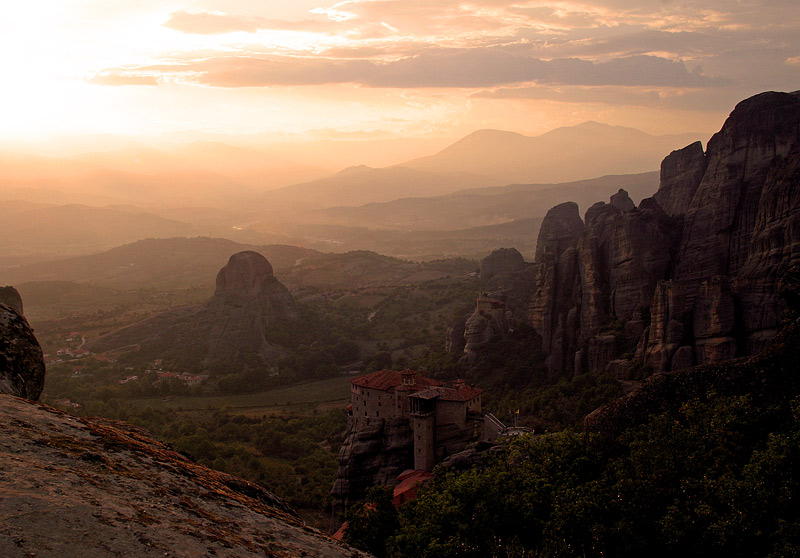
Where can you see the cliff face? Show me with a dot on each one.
(767, 377)
(248, 300)
(21, 361)
(233, 325)
(690, 276)
(371, 456)
(553, 308)
(91, 487)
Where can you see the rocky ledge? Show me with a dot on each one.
(77, 486)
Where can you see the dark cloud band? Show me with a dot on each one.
(460, 68)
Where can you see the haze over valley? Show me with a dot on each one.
(58, 207)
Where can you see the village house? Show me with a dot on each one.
(443, 418)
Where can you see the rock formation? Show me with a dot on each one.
(76, 486)
(681, 173)
(371, 456)
(248, 300)
(454, 337)
(505, 271)
(690, 276)
(766, 377)
(21, 361)
(553, 308)
(501, 261)
(232, 327)
(507, 280)
(10, 297)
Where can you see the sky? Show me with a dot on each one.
(383, 69)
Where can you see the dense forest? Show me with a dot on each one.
(718, 477)
(712, 474)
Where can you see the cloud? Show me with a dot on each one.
(464, 68)
(207, 23)
(453, 68)
(609, 95)
(121, 79)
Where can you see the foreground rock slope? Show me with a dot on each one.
(690, 275)
(75, 486)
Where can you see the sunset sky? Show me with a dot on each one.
(386, 68)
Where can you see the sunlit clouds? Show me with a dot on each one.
(388, 67)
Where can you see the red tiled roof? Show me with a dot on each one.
(462, 393)
(339, 535)
(410, 481)
(387, 380)
(456, 393)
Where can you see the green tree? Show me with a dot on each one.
(370, 524)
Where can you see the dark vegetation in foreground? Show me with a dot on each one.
(719, 477)
(702, 462)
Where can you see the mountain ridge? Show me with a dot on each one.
(564, 154)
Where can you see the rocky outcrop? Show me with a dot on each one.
(248, 301)
(487, 324)
(454, 337)
(553, 308)
(681, 173)
(507, 281)
(501, 261)
(373, 455)
(690, 276)
(233, 327)
(10, 297)
(765, 377)
(480, 330)
(21, 361)
(76, 486)
(622, 255)
(608, 275)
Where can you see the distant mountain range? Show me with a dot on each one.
(465, 223)
(163, 263)
(360, 185)
(65, 229)
(485, 206)
(485, 158)
(565, 154)
(59, 207)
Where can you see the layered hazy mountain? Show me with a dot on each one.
(56, 207)
(565, 154)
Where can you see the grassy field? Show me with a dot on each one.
(299, 398)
